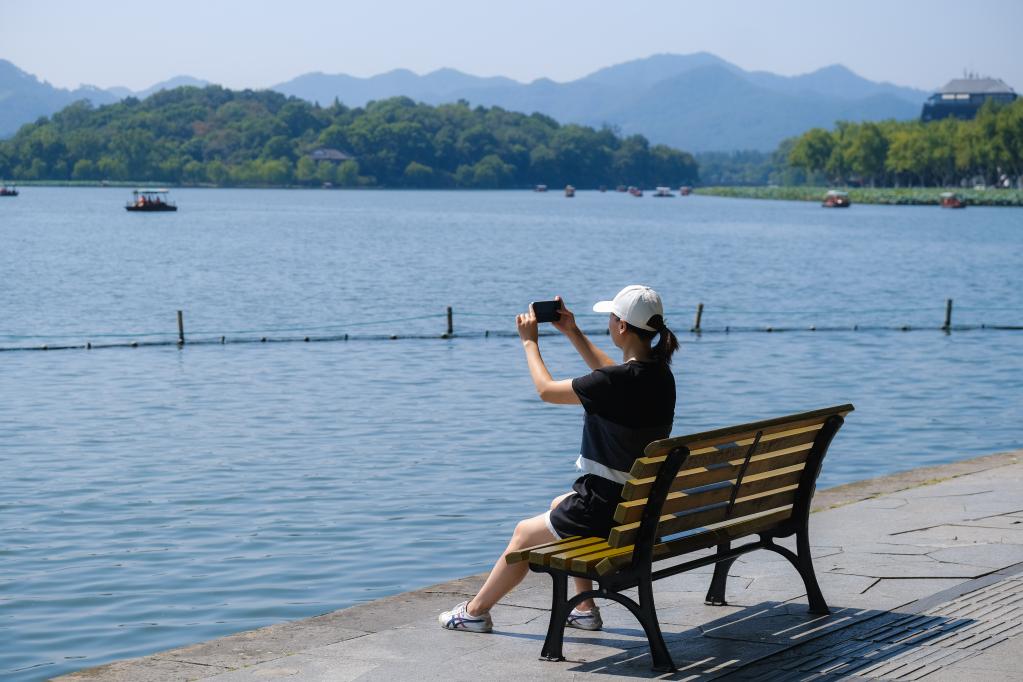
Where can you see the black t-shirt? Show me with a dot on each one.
(627, 406)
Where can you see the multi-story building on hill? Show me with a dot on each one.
(963, 98)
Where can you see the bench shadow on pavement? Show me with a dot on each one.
(770, 640)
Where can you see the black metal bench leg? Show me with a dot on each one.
(552, 646)
(804, 564)
(648, 619)
(716, 593)
(806, 572)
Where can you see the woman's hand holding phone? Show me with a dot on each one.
(566, 321)
(527, 326)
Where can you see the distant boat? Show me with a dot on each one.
(952, 200)
(8, 190)
(540, 188)
(635, 191)
(662, 192)
(150, 200)
(603, 188)
(569, 191)
(836, 199)
(685, 191)
(621, 188)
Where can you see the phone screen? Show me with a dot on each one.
(547, 311)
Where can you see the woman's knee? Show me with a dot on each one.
(529, 532)
(559, 499)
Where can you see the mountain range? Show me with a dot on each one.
(697, 102)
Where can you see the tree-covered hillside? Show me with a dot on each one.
(217, 136)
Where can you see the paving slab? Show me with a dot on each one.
(918, 569)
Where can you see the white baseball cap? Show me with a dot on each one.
(635, 304)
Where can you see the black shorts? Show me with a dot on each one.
(589, 511)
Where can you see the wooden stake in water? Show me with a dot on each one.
(948, 315)
(451, 328)
(699, 316)
(181, 329)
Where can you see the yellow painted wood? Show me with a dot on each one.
(768, 426)
(523, 554)
(669, 524)
(541, 556)
(646, 467)
(711, 536)
(563, 559)
(692, 477)
(752, 483)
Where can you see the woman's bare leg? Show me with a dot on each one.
(504, 576)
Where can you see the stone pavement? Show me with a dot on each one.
(923, 572)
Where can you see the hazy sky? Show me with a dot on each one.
(260, 43)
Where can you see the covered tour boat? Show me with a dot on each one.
(569, 191)
(540, 188)
(8, 190)
(663, 192)
(150, 200)
(952, 200)
(836, 199)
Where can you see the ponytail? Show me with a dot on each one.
(666, 344)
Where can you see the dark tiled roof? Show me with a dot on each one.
(975, 86)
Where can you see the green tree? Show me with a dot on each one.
(812, 151)
(348, 173)
(419, 175)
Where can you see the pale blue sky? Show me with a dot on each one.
(260, 43)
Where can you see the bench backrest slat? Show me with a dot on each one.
(701, 470)
(754, 482)
(727, 474)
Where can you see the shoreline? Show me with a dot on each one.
(889, 196)
(922, 196)
(272, 645)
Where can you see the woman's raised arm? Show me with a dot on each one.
(591, 355)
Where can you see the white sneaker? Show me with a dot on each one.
(585, 620)
(459, 619)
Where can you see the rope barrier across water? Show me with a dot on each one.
(307, 333)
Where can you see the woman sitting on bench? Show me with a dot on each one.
(627, 406)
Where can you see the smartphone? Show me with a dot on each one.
(547, 311)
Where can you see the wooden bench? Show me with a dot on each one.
(690, 493)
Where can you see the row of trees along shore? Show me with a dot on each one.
(212, 135)
(944, 153)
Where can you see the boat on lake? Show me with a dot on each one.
(150, 200)
(635, 191)
(620, 188)
(8, 190)
(836, 199)
(685, 190)
(569, 191)
(952, 200)
(540, 188)
(663, 192)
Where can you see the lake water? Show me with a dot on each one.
(157, 496)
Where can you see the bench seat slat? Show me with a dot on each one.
(523, 554)
(542, 556)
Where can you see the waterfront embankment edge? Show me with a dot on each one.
(401, 623)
